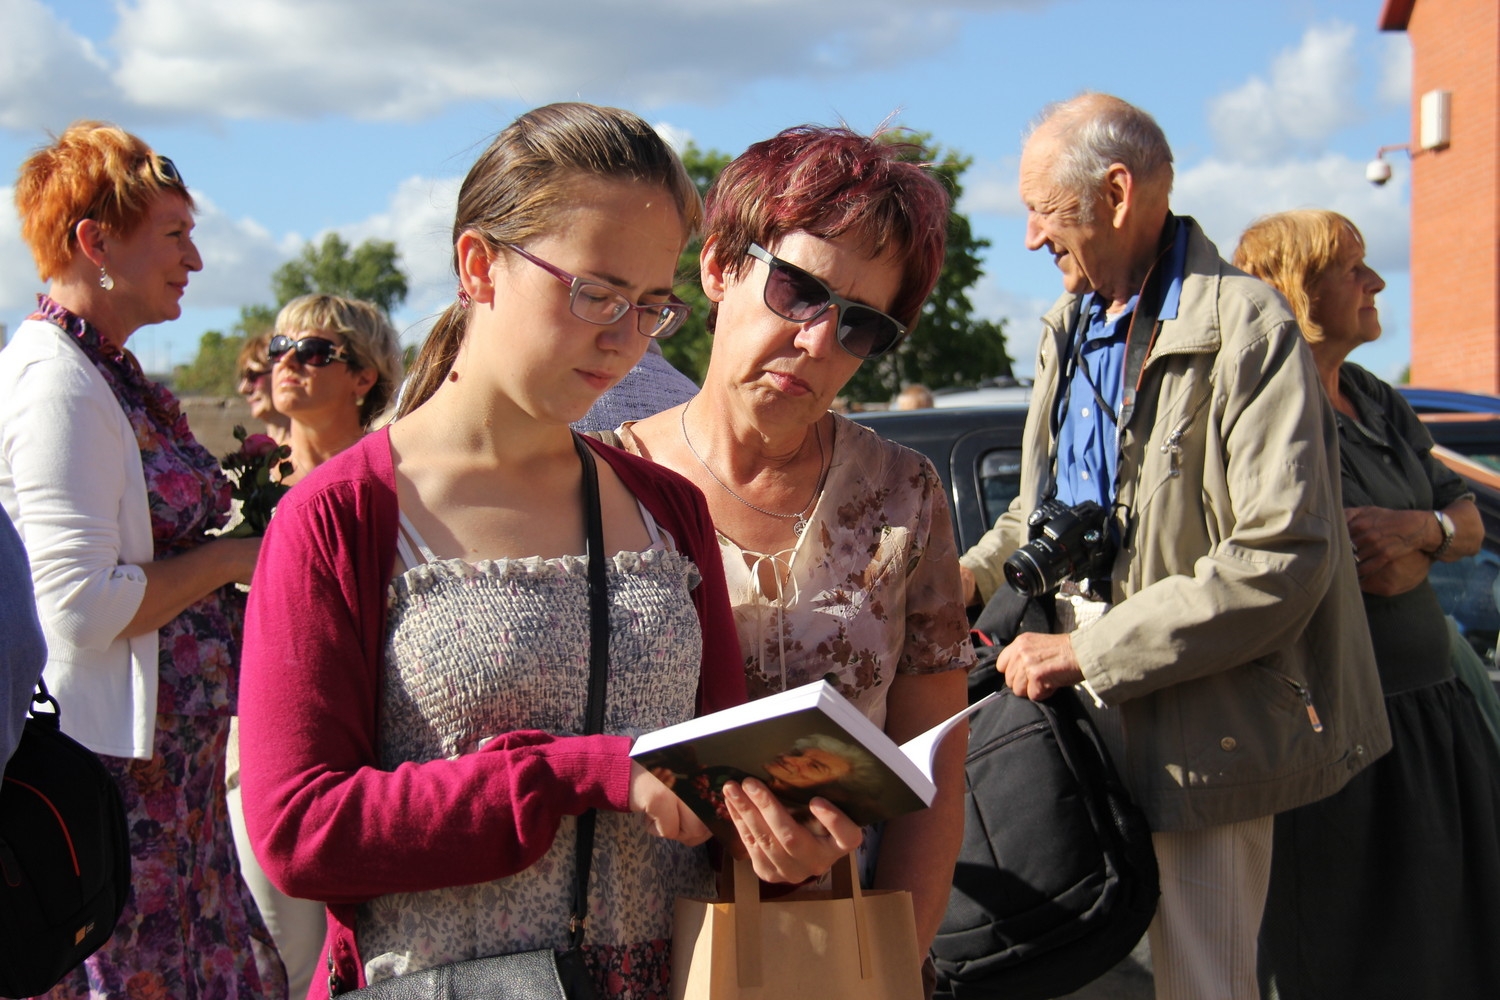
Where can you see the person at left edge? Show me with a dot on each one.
(24, 652)
(115, 500)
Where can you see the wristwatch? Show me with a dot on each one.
(1446, 523)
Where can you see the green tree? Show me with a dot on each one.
(688, 348)
(370, 271)
(212, 372)
(949, 346)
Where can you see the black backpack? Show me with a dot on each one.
(64, 855)
(1056, 880)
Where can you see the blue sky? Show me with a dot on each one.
(292, 118)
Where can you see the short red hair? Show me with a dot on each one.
(829, 182)
(94, 170)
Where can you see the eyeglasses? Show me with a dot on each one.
(793, 294)
(315, 352)
(603, 306)
(253, 375)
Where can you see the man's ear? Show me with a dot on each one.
(711, 272)
(475, 260)
(90, 237)
(1119, 193)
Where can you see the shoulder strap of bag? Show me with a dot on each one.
(598, 675)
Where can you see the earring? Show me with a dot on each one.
(463, 298)
(359, 401)
(105, 281)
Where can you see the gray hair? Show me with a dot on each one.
(865, 776)
(1095, 131)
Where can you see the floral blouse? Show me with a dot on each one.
(871, 588)
(187, 494)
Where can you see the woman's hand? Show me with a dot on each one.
(669, 816)
(780, 848)
(1381, 536)
(172, 585)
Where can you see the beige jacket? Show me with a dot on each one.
(1237, 617)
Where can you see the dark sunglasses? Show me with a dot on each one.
(315, 352)
(603, 306)
(253, 374)
(166, 171)
(793, 294)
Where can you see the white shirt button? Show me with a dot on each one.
(1084, 476)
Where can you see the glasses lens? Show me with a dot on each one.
(793, 294)
(315, 352)
(866, 333)
(598, 303)
(661, 321)
(168, 171)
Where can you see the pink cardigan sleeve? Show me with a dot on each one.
(325, 822)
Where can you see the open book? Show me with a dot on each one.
(806, 742)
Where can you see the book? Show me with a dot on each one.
(805, 742)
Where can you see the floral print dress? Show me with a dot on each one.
(869, 591)
(190, 928)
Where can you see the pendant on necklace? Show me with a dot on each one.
(799, 526)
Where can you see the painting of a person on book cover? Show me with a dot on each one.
(815, 765)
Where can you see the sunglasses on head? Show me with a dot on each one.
(793, 294)
(315, 352)
(166, 171)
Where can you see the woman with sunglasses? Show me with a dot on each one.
(254, 369)
(418, 638)
(336, 363)
(820, 247)
(115, 501)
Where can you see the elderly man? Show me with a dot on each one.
(1225, 650)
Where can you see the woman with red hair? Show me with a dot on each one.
(821, 246)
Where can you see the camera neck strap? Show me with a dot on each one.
(1140, 336)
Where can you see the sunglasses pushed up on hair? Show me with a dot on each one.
(314, 352)
(795, 295)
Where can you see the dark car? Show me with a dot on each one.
(1448, 400)
(977, 452)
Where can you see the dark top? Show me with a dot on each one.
(1386, 460)
(23, 652)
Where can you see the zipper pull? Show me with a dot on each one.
(1312, 713)
(1172, 448)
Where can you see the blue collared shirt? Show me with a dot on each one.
(1088, 447)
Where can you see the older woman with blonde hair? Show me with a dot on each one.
(336, 364)
(115, 501)
(1356, 878)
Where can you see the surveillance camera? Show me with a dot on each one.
(1377, 172)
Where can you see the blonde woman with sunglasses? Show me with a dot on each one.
(335, 363)
(820, 247)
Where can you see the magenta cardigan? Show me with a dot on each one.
(328, 825)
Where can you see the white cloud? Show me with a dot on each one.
(49, 74)
(989, 187)
(1311, 94)
(1225, 197)
(1395, 71)
(238, 258)
(419, 220)
(18, 279)
(391, 59)
(1022, 314)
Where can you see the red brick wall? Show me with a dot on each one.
(1455, 198)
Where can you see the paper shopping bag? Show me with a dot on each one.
(845, 945)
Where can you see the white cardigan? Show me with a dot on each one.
(71, 480)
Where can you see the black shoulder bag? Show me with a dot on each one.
(543, 974)
(64, 855)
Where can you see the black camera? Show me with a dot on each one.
(1067, 543)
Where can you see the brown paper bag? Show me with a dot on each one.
(845, 945)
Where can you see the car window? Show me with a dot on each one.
(999, 481)
(1467, 591)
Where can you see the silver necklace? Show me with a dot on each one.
(799, 519)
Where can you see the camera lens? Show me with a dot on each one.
(1024, 575)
